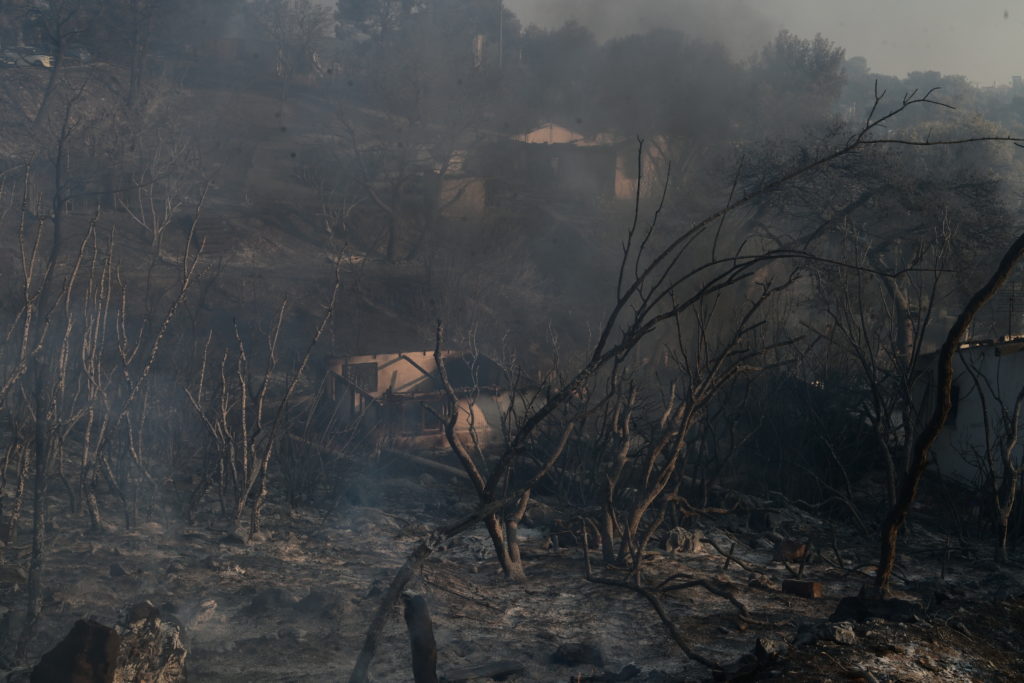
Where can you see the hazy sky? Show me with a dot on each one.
(981, 39)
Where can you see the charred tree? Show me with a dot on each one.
(940, 413)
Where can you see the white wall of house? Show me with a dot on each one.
(986, 382)
(387, 400)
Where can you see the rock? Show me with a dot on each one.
(682, 540)
(841, 632)
(769, 649)
(116, 570)
(144, 650)
(573, 654)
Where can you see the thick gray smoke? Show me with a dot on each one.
(979, 39)
(738, 24)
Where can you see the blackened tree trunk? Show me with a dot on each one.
(35, 572)
(943, 404)
(421, 639)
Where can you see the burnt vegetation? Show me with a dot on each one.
(639, 317)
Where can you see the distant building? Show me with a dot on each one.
(549, 163)
(615, 169)
(988, 381)
(397, 396)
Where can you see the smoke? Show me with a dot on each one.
(736, 24)
(979, 39)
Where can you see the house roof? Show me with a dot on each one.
(1003, 346)
(466, 371)
(551, 133)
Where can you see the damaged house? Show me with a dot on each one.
(547, 164)
(398, 396)
(987, 411)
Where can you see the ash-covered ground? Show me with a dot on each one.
(294, 604)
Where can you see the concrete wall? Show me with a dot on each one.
(653, 167)
(986, 382)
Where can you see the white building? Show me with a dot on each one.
(988, 407)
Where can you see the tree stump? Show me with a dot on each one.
(143, 649)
